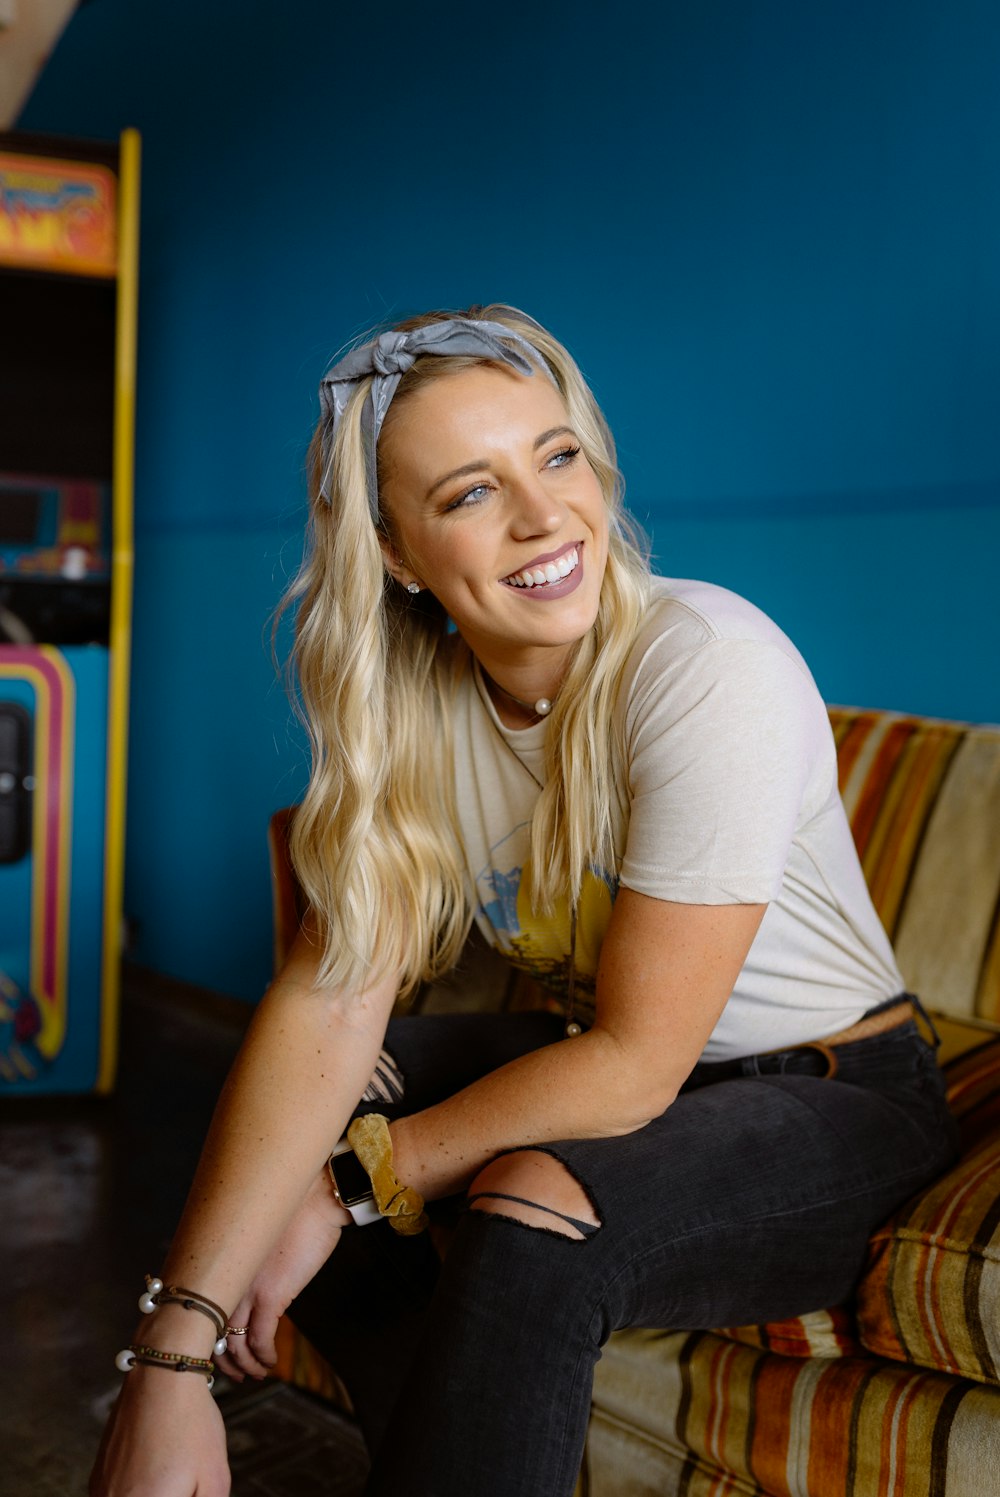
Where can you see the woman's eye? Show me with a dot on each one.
(563, 458)
(474, 495)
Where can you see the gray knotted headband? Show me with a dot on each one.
(388, 357)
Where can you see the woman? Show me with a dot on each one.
(631, 785)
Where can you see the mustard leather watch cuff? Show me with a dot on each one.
(367, 1151)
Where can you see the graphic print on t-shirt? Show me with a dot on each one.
(539, 944)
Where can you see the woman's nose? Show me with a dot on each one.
(534, 511)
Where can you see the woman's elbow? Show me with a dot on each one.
(655, 1107)
(634, 1092)
(644, 1102)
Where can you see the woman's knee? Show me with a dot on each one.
(533, 1187)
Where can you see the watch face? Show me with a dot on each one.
(353, 1184)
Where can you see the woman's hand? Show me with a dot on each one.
(309, 1239)
(165, 1438)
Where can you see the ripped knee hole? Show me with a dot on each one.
(536, 1189)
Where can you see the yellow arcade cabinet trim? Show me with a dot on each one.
(120, 639)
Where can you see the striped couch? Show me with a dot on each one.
(896, 1394)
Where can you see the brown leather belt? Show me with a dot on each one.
(881, 1022)
(872, 1024)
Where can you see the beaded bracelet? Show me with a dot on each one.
(157, 1293)
(172, 1361)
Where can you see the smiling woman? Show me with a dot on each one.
(629, 783)
(478, 471)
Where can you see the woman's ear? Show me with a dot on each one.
(395, 565)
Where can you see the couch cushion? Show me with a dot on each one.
(823, 1333)
(681, 1414)
(930, 1294)
(969, 1051)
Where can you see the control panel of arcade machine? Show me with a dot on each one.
(55, 567)
(54, 589)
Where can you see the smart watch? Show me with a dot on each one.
(352, 1187)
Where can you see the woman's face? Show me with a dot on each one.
(486, 486)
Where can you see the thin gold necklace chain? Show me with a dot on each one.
(571, 1028)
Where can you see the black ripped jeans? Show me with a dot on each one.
(751, 1199)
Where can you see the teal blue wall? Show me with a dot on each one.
(770, 232)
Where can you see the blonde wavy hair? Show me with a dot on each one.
(375, 843)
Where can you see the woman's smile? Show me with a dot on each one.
(545, 572)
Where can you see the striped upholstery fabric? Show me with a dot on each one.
(931, 1293)
(923, 799)
(824, 1333)
(300, 1363)
(688, 1414)
(972, 1066)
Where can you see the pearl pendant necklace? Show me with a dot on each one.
(541, 708)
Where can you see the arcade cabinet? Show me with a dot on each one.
(68, 287)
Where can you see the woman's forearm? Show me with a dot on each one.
(586, 1087)
(306, 1059)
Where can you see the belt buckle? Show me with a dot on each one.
(832, 1063)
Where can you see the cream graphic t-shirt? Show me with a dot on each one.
(730, 797)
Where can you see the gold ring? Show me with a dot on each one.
(237, 1330)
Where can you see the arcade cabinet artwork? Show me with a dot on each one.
(68, 280)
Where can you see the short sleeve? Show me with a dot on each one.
(730, 751)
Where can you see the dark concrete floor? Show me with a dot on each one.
(90, 1191)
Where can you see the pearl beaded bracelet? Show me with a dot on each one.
(173, 1361)
(157, 1293)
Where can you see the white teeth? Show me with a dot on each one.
(552, 571)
